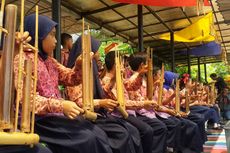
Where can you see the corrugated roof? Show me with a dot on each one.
(120, 20)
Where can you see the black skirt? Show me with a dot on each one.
(191, 136)
(174, 132)
(122, 136)
(63, 135)
(159, 132)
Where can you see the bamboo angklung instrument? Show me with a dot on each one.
(196, 83)
(200, 92)
(208, 95)
(187, 97)
(1, 20)
(120, 86)
(161, 108)
(161, 86)
(150, 73)
(87, 76)
(24, 135)
(6, 83)
(177, 97)
(177, 101)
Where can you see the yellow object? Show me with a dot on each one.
(161, 88)
(149, 60)
(177, 97)
(202, 30)
(227, 78)
(87, 73)
(17, 138)
(120, 87)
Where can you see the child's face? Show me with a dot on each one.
(157, 75)
(225, 92)
(70, 43)
(49, 43)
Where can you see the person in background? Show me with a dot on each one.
(67, 44)
(220, 83)
(224, 104)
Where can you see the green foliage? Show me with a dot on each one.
(182, 69)
(167, 67)
(124, 48)
(219, 68)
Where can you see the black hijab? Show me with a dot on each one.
(45, 25)
(75, 52)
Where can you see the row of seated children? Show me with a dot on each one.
(137, 115)
(59, 122)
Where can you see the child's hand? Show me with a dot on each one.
(148, 104)
(79, 59)
(71, 110)
(144, 69)
(108, 104)
(25, 39)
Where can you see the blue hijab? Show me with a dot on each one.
(45, 25)
(169, 78)
(75, 52)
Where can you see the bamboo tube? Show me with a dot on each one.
(19, 86)
(120, 86)
(215, 95)
(91, 73)
(187, 97)
(6, 83)
(200, 94)
(160, 91)
(25, 118)
(177, 98)
(35, 71)
(87, 76)
(187, 101)
(212, 93)
(2, 5)
(149, 74)
(1, 18)
(16, 138)
(208, 95)
(196, 84)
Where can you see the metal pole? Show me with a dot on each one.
(205, 72)
(198, 64)
(56, 16)
(188, 62)
(140, 28)
(172, 50)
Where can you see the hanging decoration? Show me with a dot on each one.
(201, 31)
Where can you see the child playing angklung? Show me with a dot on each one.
(57, 121)
(157, 142)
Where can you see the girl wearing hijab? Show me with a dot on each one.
(123, 137)
(56, 119)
